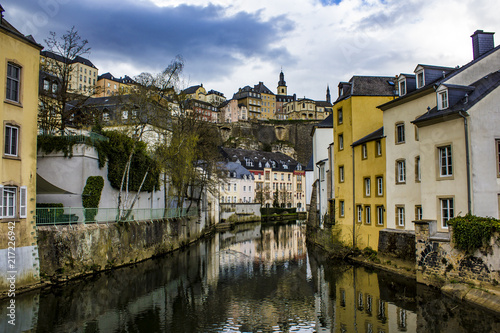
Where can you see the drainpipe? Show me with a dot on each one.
(353, 202)
(464, 115)
(319, 197)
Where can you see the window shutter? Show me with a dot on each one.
(23, 194)
(1, 201)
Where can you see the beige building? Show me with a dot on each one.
(268, 101)
(20, 58)
(83, 74)
(442, 137)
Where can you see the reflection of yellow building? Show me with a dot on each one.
(355, 117)
(20, 58)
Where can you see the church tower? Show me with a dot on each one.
(328, 98)
(282, 85)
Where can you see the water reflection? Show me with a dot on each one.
(253, 279)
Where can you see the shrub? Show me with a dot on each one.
(473, 232)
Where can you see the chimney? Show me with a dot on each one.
(482, 42)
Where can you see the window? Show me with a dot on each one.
(367, 187)
(9, 201)
(446, 211)
(11, 140)
(418, 174)
(400, 172)
(54, 87)
(23, 198)
(380, 215)
(46, 85)
(380, 186)
(402, 88)
(378, 144)
(420, 79)
(445, 161)
(340, 116)
(497, 144)
(443, 100)
(13, 82)
(341, 204)
(364, 153)
(244, 188)
(359, 211)
(124, 115)
(234, 187)
(400, 133)
(400, 216)
(341, 141)
(418, 212)
(341, 174)
(368, 215)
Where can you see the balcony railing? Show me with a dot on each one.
(71, 215)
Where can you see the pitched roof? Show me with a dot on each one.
(473, 93)
(261, 88)
(256, 159)
(237, 170)
(60, 58)
(368, 86)
(192, 89)
(376, 135)
(5, 25)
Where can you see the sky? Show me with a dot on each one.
(229, 44)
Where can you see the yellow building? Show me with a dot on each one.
(83, 73)
(268, 99)
(251, 99)
(356, 121)
(369, 171)
(108, 85)
(20, 58)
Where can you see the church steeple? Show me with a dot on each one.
(328, 98)
(282, 84)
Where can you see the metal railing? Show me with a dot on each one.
(72, 215)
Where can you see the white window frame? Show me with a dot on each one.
(402, 87)
(341, 174)
(418, 173)
(364, 151)
(342, 208)
(379, 147)
(341, 141)
(401, 171)
(418, 76)
(443, 99)
(9, 208)
(447, 211)
(418, 212)
(380, 215)
(445, 156)
(380, 186)
(13, 150)
(400, 216)
(368, 214)
(359, 211)
(368, 184)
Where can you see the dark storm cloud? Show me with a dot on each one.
(146, 35)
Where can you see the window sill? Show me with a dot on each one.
(14, 103)
(8, 157)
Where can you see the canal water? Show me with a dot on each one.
(256, 278)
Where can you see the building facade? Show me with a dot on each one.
(20, 58)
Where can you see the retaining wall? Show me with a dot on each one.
(72, 250)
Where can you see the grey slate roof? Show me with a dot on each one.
(256, 160)
(5, 25)
(192, 89)
(261, 88)
(376, 135)
(368, 86)
(475, 93)
(79, 59)
(236, 170)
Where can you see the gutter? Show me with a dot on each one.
(353, 201)
(464, 115)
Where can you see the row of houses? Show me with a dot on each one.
(418, 146)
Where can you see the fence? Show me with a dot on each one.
(71, 215)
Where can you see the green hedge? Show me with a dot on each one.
(91, 196)
(473, 232)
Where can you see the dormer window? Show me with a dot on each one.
(402, 87)
(420, 79)
(443, 100)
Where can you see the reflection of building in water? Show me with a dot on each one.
(257, 248)
(361, 308)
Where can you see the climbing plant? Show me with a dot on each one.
(473, 232)
(91, 196)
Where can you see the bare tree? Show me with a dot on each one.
(60, 63)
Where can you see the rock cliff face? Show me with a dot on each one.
(293, 139)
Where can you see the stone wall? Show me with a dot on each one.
(73, 250)
(240, 212)
(397, 243)
(439, 262)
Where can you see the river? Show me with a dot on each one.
(255, 278)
